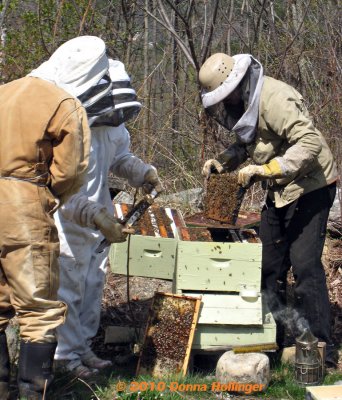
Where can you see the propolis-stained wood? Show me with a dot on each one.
(223, 198)
(169, 335)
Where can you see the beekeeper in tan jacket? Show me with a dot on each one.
(44, 151)
(273, 128)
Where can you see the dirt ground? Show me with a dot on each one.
(117, 311)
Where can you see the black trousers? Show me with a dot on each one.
(294, 236)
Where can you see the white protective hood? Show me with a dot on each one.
(76, 65)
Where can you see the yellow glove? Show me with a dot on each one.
(110, 228)
(211, 166)
(152, 181)
(259, 172)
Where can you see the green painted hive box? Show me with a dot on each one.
(218, 267)
(218, 337)
(149, 257)
(227, 276)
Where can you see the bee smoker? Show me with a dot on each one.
(308, 361)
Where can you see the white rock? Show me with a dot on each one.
(288, 355)
(251, 368)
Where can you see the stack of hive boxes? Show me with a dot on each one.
(226, 274)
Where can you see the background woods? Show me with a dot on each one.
(163, 44)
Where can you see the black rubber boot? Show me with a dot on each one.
(35, 369)
(4, 367)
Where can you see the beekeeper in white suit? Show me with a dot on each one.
(45, 140)
(82, 269)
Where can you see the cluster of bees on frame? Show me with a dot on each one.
(223, 197)
(168, 333)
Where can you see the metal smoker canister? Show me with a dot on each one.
(308, 362)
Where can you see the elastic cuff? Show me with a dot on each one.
(273, 168)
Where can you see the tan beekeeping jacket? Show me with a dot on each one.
(286, 132)
(44, 136)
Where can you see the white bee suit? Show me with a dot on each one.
(82, 270)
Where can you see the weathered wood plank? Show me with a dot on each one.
(332, 392)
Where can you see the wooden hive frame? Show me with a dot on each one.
(149, 341)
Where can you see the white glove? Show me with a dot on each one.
(259, 172)
(210, 166)
(109, 226)
(152, 181)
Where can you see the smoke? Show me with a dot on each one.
(290, 318)
(293, 322)
(296, 323)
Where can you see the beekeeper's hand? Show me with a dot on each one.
(232, 157)
(110, 227)
(152, 181)
(259, 172)
(211, 166)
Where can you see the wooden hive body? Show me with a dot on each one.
(226, 275)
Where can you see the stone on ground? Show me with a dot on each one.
(243, 368)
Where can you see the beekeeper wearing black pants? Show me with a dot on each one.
(272, 127)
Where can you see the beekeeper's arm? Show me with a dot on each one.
(288, 118)
(87, 213)
(71, 133)
(127, 165)
(227, 161)
(84, 212)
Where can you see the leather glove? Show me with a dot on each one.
(152, 181)
(211, 166)
(109, 226)
(259, 172)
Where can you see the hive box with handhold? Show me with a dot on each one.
(226, 275)
(150, 257)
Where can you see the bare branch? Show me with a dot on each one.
(293, 40)
(167, 25)
(209, 38)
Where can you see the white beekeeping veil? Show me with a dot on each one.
(214, 101)
(76, 66)
(118, 106)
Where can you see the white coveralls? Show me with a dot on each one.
(82, 270)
